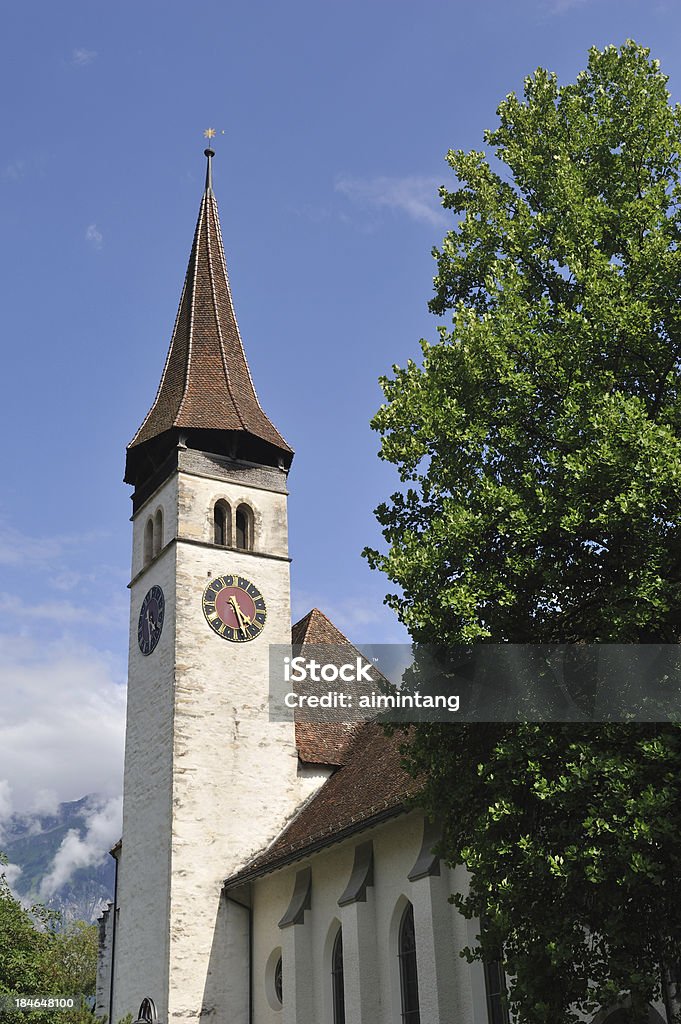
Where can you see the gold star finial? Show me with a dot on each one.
(209, 133)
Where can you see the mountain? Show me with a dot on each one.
(64, 861)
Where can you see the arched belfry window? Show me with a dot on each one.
(409, 982)
(279, 981)
(222, 524)
(244, 528)
(337, 984)
(148, 541)
(158, 531)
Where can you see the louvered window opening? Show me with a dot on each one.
(221, 524)
(243, 528)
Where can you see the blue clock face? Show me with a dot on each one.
(150, 622)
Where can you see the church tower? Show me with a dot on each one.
(209, 779)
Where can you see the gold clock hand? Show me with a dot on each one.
(238, 613)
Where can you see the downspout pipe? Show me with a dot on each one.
(114, 911)
(249, 911)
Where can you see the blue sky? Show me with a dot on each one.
(337, 115)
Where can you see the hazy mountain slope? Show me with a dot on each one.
(33, 842)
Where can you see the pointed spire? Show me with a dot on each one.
(209, 154)
(206, 383)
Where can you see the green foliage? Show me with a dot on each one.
(539, 448)
(540, 439)
(39, 959)
(572, 838)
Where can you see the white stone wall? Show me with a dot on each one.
(140, 955)
(236, 778)
(164, 499)
(208, 779)
(197, 496)
(448, 986)
(104, 960)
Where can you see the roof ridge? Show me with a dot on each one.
(223, 354)
(192, 305)
(223, 260)
(305, 622)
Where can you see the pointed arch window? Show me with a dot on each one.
(222, 524)
(409, 982)
(495, 990)
(337, 982)
(244, 528)
(148, 541)
(158, 531)
(495, 982)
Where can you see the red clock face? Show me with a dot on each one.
(234, 608)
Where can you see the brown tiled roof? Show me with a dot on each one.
(316, 628)
(206, 383)
(370, 786)
(321, 742)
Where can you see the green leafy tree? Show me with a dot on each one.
(38, 958)
(71, 965)
(22, 947)
(539, 449)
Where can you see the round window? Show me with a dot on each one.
(274, 988)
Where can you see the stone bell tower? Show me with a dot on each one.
(208, 779)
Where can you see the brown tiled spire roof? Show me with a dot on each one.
(206, 383)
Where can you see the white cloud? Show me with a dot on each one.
(68, 579)
(62, 612)
(11, 873)
(14, 170)
(102, 830)
(5, 800)
(63, 721)
(6, 807)
(416, 196)
(22, 551)
(561, 6)
(17, 548)
(94, 236)
(80, 57)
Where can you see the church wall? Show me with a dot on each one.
(141, 952)
(104, 961)
(446, 981)
(264, 492)
(236, 776)
(165, 499)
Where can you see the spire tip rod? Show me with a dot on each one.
(209, 153)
